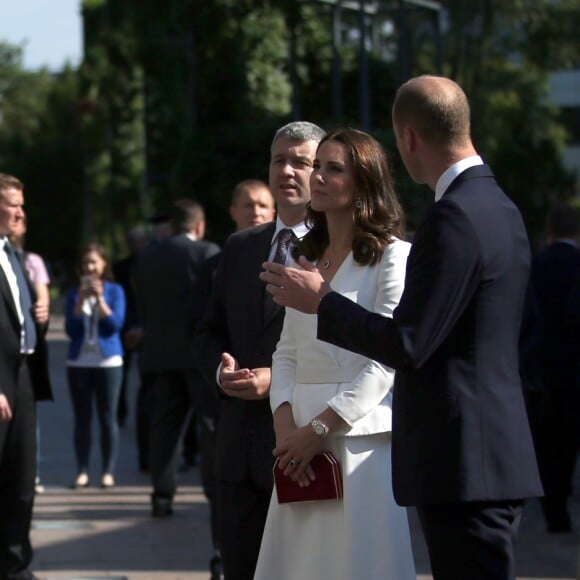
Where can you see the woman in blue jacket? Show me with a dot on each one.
(95, 311)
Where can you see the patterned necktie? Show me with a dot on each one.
(25, 299)
(285, 238)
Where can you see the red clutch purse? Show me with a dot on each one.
(327, 485)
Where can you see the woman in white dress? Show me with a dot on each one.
(327, 398)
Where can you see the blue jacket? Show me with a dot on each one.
(109, 328)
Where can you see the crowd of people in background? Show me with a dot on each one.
(443, 374)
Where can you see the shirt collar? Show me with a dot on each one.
(300, 230)
(452, 172)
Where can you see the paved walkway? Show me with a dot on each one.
(94, 533)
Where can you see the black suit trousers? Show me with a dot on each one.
(17, 475)
(474, 540)
(242, 508)
(173, 396)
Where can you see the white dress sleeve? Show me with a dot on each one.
(283, 367)
(355, 399)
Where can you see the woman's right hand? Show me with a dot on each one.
(283, 422)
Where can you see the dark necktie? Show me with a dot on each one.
(285, 238)
(25, 300)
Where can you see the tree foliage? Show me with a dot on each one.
(180, 98)
(39, 143)
(492, 53)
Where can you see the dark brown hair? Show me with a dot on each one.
(379, 217)
(98, 249)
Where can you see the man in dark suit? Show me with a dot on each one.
(170, 304)
(462, 448)
(237, 338)
(23, 380)
(552, 366)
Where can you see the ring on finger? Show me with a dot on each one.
(293, 462)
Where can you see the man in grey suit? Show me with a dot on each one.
(462, 448)
(237, 338)
(170, 303)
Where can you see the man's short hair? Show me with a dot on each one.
(564, 221)
(186, 214)
(299, 131)
(245, 185)
(436, 108)
(9, 181)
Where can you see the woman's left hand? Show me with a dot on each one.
(295, 453)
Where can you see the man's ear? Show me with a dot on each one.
(200, 230)
(409, 139)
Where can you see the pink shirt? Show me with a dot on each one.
(36, 269)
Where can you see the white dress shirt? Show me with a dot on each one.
(300, 230)
(11, 277)
(452, 172)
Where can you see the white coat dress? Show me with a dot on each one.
(366, 534)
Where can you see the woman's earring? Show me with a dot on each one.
(359, 204)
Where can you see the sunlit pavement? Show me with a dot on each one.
(94, 533)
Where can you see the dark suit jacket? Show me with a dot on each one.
(124, 272)
(555, 271)
(10, 347)
(170, 302)
(235, 323)
(460, 430)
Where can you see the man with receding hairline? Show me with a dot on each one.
(252, 204)
(462, 449)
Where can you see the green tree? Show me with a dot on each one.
(111, 119)
(39, 143)
(492, 51)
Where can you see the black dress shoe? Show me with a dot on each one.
(216, 568)
(161, 508)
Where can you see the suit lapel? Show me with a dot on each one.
(275, 311)
(7, 295)
(261, 245)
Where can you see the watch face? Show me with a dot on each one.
(319, 427)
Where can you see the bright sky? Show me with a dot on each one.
(50, 30)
